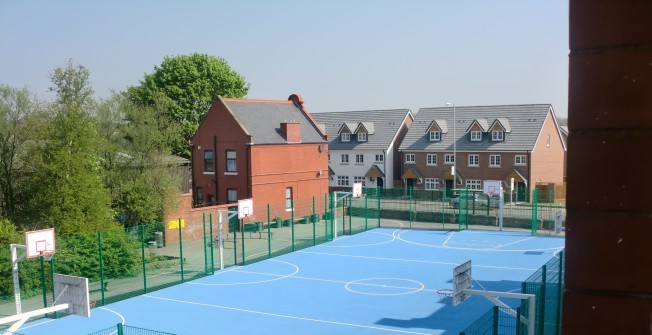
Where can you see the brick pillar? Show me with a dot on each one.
(609, 198)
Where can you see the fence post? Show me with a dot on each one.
(45, 291)
(99, 246)
(366, 213)
(410, 204)
(541, 315)
(242, 240)
(350, 215)
(203, 221)
(518, 320)
(314, 223)
(181, 250)
(560, 289)
(292, 221)
(378, 195)
(535, 210)
(119, 328)
(269, 236)
(210, 229)
(142, 253)
(495, 325)
(56, 314)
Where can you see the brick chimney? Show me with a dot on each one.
(291, 131)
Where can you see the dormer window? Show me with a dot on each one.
(435, 136)
(497, 135)
(362, 137)
(345, 137)
(476, 136)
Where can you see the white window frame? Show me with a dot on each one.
(342, 180)
(432, 184)
(476, 136)
(358, 179)
(497, 136)
(288, 198)
(362, 137)
(449, 159)
(359, 158)
(231, 195)
(345, 137)
(231, 162)
(474, 160)
(344, 159)
(474, 184)
(431, 160)
(435, 136)
(410, 158)
(494, 160)
(381, 156)
(520, 162)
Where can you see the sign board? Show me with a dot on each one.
(461, 282)
(491, 187)
(245, 208)
(40, 242)
(73, 291)
(174, 224)
(511, 184)
(357, 190)
(558, 221)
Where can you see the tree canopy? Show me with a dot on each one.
(191, 83)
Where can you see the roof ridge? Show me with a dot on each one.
(257, 100)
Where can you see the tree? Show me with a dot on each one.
(192, 83)
(71, 195)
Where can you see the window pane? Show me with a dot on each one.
(209, 165)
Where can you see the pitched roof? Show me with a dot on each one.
(523, 121)
(262, 119)
(382, 126)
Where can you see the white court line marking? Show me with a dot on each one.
(116, 313)
(36, 324)
(362, 245)
(296, 270)
(333, 281)
(517, 241)
(286, 316)
(449, 237)
(414, 260)
(471, 249)
(358, 282)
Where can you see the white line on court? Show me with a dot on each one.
(449, 237)
(413, 260)
(471, 249)
(285, 316)
(116, 313)
(334, 281)
(362, 245)
(296, 270)
(36, 324)
(518, 241)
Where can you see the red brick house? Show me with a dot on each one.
(268, 150)
(522, 142)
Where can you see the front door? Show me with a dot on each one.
(380, 183)
(409, 183)
(449, 187)
(521, 191)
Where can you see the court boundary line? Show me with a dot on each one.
(470, 249)
(414, 260)
(285, 316)
(254, 282)
(393, 238)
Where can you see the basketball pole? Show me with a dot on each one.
(220, 240)
(15, 258)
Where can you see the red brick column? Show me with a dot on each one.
(609, 196)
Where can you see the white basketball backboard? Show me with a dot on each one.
(491, 187)
(245, 208)
(73, 291)
(40, 242)
(461, 282)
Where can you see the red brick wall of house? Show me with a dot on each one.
(548, 161)
(193, 224)
(397, 143)
(304, 167)
(482, 172)
(220, 132)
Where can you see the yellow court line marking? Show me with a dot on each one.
(286, 316)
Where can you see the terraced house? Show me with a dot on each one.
(522, 142)
(363, 146)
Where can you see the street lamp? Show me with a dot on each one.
(454, 146)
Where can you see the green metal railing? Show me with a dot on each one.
(121, 329)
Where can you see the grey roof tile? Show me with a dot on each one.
(525, 122)
(384, 124)
(262, 119)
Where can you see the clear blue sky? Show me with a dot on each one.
(339, 54)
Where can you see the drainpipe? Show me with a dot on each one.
(217, 191)
(192, 173)
(385, 169)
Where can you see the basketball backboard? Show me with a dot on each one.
(73, 291)
(40, 242)
(461, 282)
(245, 208)
(491, 187)
(357, 190)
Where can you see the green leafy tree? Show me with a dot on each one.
(191, 83)
(69, 177)
(18, 109)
